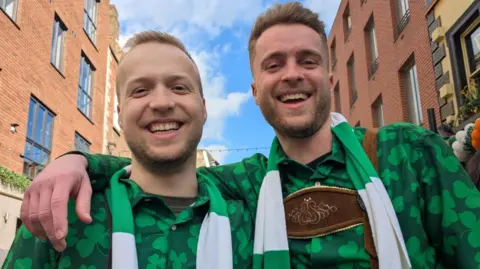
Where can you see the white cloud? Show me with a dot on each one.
(327, 9)
(195, 23)
(200, 18)
(220, 105)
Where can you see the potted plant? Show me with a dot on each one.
(471, 101)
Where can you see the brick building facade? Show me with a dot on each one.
(113, 140)
(381, 63)
(53, 61)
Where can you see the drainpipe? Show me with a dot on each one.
(432, 123)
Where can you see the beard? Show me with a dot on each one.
(164, 163)
(309, 127)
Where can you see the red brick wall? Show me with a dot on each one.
(393, 54)
(26, 70)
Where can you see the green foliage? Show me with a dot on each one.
(13, 180)
(471, 96)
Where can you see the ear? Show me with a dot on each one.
(330, 77)
(204, 110)
(120, 118)
(254, 92)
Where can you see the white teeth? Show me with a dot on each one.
(293, 96)
(164, 126)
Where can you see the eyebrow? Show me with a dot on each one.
(275, 54)
(303, 52)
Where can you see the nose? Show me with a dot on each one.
(162, 99)
(293, 73)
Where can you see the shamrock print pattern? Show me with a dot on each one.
(436, 204)
(159, 246)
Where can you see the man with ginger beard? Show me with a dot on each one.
(319, 201)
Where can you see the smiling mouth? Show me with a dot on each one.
(293, 98)
(164, 127)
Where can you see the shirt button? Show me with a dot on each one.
(147, 199)
(317, 183)
(94, 181)
(174, 227)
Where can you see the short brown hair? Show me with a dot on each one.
(158, 37)
(288, 13)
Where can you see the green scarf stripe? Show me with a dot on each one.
(123, 222)
(272, 165)
(356, 152)
(217, 203)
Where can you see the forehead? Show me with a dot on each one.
(288, 38)
(155, 59)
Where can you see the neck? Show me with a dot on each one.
(305, 150)
(181, 182)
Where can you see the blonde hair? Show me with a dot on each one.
(158, 37)
(288, 13)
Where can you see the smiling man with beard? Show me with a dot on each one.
(154, 213)
(319, 201)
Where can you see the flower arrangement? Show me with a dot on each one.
(471, 97)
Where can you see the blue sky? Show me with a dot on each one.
(216, 32)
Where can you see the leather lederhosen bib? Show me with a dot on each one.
(322, 210)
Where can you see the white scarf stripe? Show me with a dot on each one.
(124, 252)
(214, 239)
(275, 214)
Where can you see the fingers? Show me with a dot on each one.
(59, 211)
(83, 200)
(24, 211)
(36, 227)
(45, 213)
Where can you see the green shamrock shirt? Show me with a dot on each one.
(163, 239)
(437, 205)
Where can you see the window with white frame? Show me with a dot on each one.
(90, 12)
(402, 9)
(377, 110)
(347, 22)
(372, 39)
(413, 94)
(85, 87)
(352, 80)
(338, 103)
(10, 7)
(58, 43)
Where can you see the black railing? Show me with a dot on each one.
(373, 68)
(403, 22)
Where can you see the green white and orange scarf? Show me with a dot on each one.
(271, 242)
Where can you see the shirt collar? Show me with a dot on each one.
(337, 154)
(136, 193)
